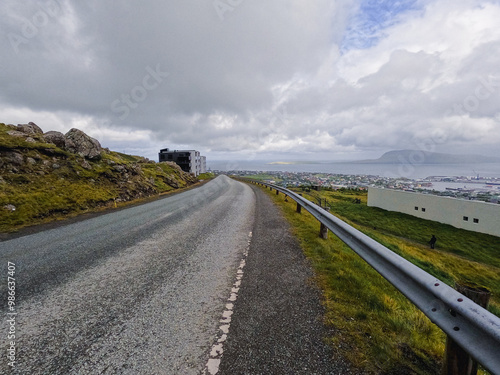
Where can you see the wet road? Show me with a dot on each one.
(139, 291)
(208, 281)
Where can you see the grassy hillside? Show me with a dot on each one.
(40, 181)
(460, 255)
(379, 329)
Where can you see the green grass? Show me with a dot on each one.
(206, 176)
(460, 255)
(41, 192)
(41, 198)
(263, 176)
(379, 330)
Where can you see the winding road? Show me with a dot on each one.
(186, 284)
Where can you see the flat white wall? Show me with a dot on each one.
(481, 216)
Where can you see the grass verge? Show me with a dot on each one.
(40, 182)
(380, 331)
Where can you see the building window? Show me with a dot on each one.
(466, 218)
(476, 220)
(416, 208)
(423, 209)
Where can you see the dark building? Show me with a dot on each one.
(189, 160)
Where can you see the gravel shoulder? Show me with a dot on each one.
(277, 326)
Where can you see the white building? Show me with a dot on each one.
(189, 160)
(203, 164)
(471, 215)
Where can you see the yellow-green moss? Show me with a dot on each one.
(57, 183)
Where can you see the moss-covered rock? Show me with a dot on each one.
(44, 176)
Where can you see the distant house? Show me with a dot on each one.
(471, 215)
(190, 161)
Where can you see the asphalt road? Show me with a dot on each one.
(139, 291)
(209, 281)
(277, 322)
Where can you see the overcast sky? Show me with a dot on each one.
(273, 79)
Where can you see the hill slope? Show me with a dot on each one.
(47, 175)
(424, 157)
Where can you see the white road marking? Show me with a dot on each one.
(213, 366)
(213, 363)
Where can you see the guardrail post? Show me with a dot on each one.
(323, 230)
(457, 361)
(277, 192)
(299, 207)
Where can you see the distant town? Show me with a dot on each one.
(465, 187)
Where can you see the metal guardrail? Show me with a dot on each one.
(472, 327)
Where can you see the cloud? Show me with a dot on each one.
(372, 17)
(286, 77)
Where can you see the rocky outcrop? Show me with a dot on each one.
(74, 141)
(80, 143)
(16, 133)
(56, 138)
(46, 174)
(30, 128)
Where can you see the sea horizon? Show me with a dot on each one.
(411, 171)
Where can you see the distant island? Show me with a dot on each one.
(291, 162)
(424, 157)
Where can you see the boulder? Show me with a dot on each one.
(143, 160)
(82, 144)
(16, 133)
(56, 138)
(13, 158)
(30, 128)
(85, 164)
(9, 207)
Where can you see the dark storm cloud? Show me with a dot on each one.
(253, 76)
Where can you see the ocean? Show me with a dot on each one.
(412, 171)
